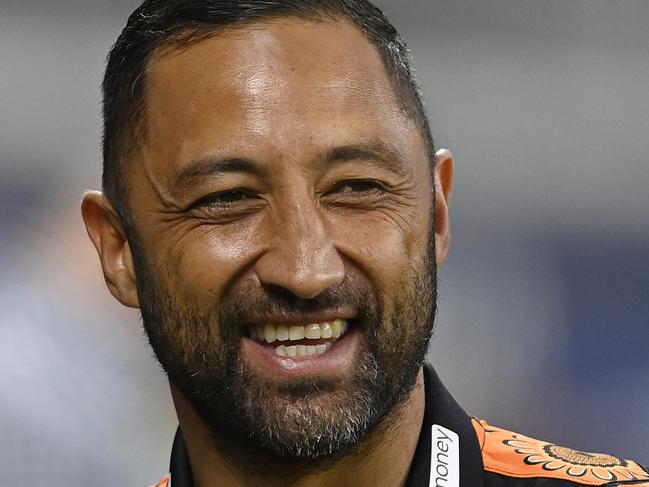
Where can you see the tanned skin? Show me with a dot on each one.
(278, 93)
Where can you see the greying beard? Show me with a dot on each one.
(312, 429)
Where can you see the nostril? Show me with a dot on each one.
(303, 273)
(280, 291)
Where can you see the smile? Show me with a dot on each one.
(294, 340)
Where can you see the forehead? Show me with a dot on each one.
(278, 88)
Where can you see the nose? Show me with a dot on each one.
(302, 258)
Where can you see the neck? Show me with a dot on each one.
(382, 460)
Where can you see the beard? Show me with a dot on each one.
(291, 421)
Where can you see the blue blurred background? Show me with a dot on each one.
(544, 310)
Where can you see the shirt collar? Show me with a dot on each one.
(440, 410)
(180, 468)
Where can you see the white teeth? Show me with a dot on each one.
(291, 351)
(270, 333)
(302, 350)
(282, 333)
(336, 328)
(325, 330)
(312, 331)
(296, 332)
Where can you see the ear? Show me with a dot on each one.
(107, 234)
(443, 187)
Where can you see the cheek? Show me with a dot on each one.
(385, 249)
(208, 259)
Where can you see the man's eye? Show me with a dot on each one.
(224, 199)
(359, 187)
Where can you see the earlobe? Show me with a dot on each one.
(443, 187)
(109, 239)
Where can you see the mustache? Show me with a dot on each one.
(246, 305)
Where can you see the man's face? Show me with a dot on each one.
(280, 189)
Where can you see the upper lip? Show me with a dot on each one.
(303, 318)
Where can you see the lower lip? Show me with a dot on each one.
(338, 358)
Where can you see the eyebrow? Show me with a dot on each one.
(377, 153)
(213, 166)
(380, 154)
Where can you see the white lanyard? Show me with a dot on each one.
(444, 458)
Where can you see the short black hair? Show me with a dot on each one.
(158, 23)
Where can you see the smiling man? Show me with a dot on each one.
(274, 205)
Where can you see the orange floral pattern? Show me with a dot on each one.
(519, 456)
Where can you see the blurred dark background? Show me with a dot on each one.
(544, 311)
